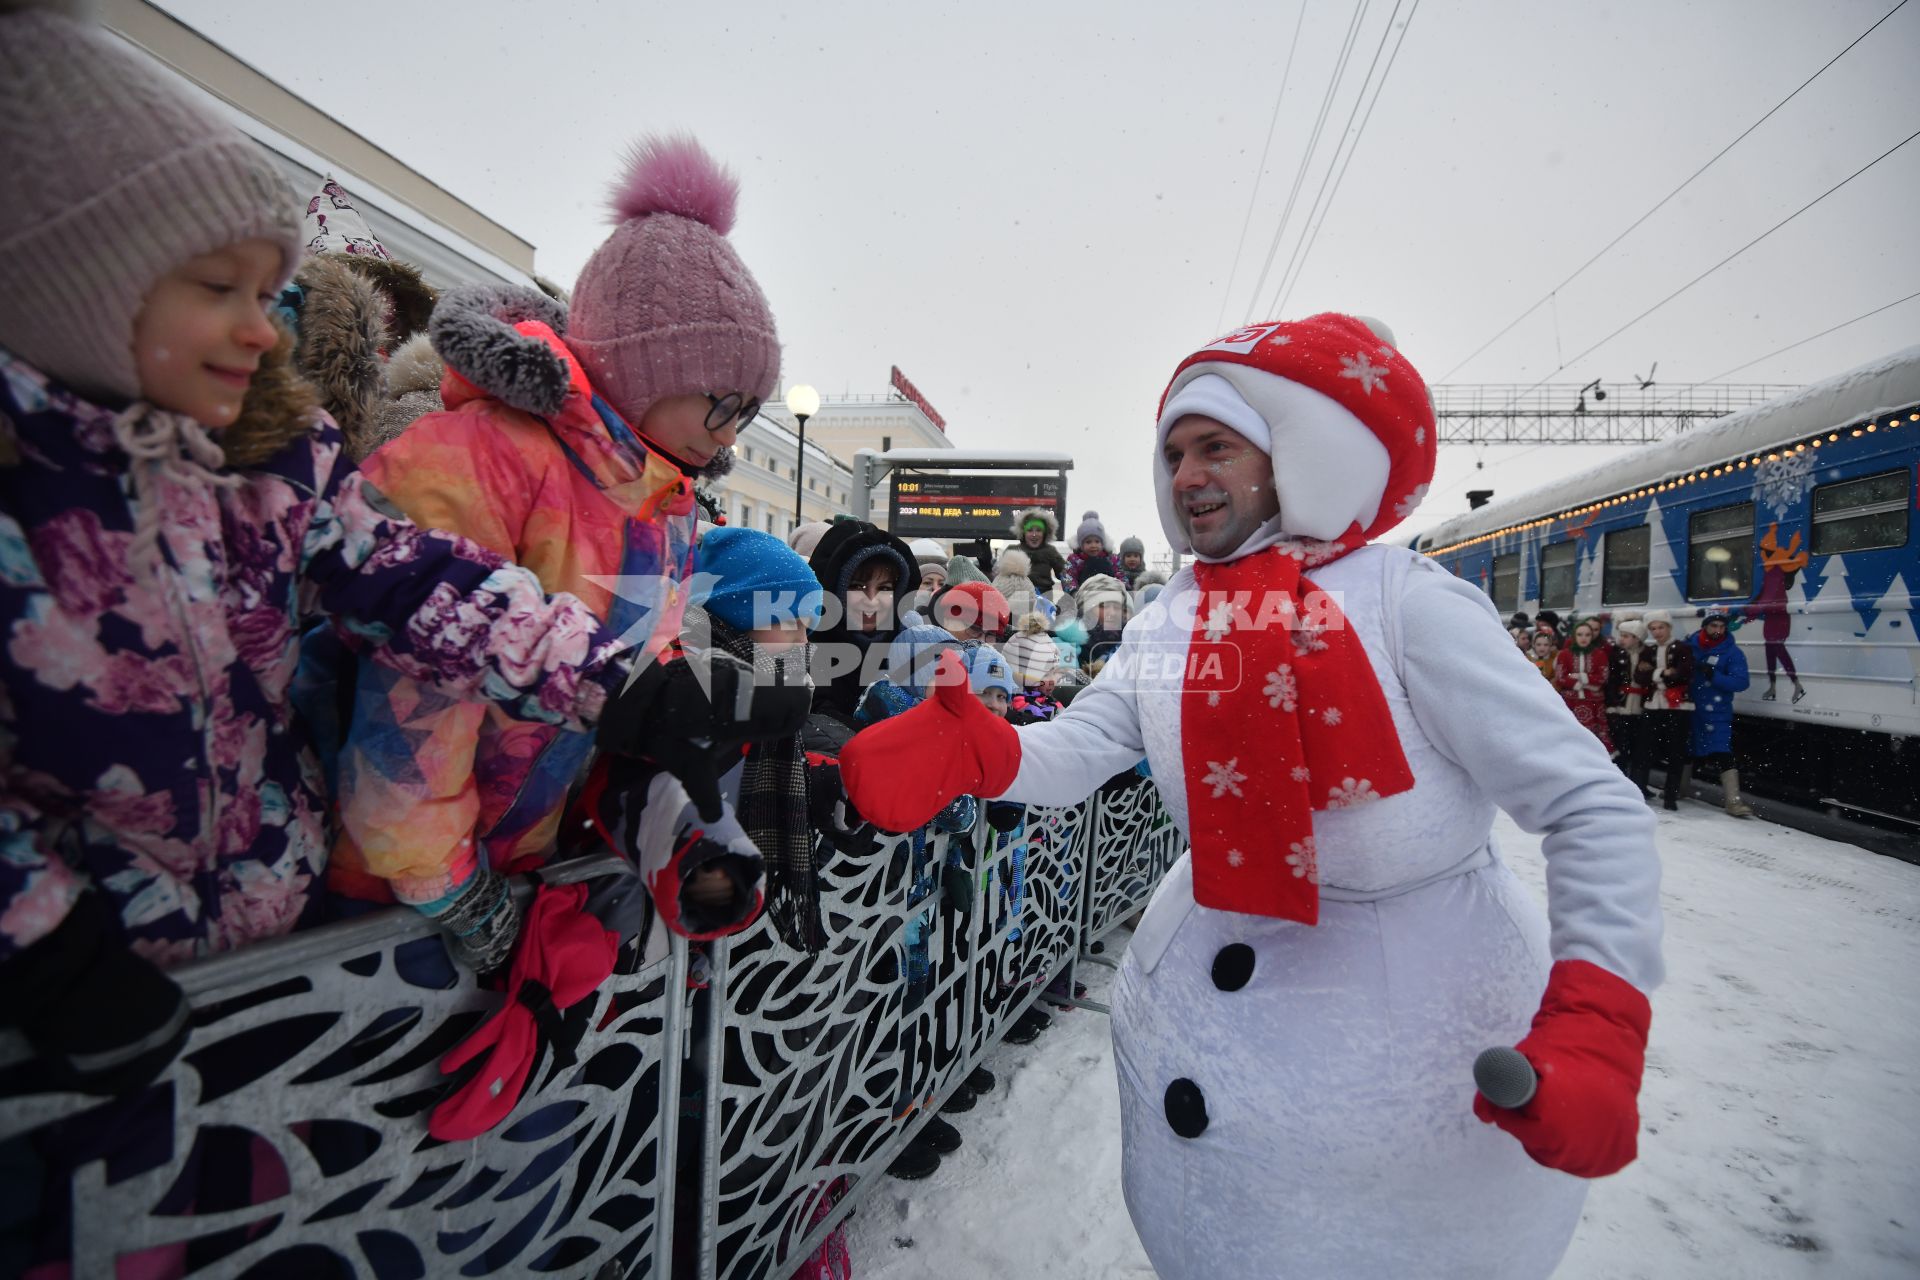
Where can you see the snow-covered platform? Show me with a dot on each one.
(1780, 1118)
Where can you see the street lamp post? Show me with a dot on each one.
(802, 402)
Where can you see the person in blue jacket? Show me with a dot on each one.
(1719, 672)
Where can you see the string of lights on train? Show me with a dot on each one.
(1714, 472)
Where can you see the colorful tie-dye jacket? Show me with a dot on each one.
(147, 743)
(527, 461)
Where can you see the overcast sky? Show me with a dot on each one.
(1033, 209)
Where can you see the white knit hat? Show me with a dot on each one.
(114, 178)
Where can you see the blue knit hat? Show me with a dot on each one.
(913, 655)
(987, 669)
(762, 582)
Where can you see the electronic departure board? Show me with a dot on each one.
(962, 508)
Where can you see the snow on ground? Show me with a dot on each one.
(1780, 1116)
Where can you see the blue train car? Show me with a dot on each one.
(1798, 516)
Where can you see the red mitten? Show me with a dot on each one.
(563, 955)
(901, 772)
(1588, 1045)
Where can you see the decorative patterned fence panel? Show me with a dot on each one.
(293, 1130)
(1133, 843)
(294, 1125)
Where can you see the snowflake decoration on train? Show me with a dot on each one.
(1782, 483)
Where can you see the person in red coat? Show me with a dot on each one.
(1580, 674)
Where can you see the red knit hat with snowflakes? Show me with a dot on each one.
(1349, 429)
(1345, 417)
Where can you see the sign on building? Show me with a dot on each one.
(963, 508)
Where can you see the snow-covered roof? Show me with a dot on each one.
(1892, 382)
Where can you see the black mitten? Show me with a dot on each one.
(832, 814)
(691, 716)
(956, 884)
(106, 1020)
(1002, 816)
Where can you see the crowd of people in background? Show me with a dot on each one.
(1651, 697)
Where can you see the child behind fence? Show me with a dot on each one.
(174, 509)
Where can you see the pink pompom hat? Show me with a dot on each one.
(665, 307)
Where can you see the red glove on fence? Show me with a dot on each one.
(901, 772)
(563, 955)
(1588, 1045)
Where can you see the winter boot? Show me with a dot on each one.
(916, 1162)
(939, 1136)
(1730, 785)
(959, 1101)
(1027, 1027)
(981, 1080)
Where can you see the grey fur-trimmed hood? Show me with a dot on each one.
(472, 331)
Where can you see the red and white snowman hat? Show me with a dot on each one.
(1344, 416)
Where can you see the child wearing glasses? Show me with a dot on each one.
(570, 442)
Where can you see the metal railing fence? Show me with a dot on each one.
(290, 1137)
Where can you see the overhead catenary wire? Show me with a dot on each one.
(1303, 250)
(1663, 201)
(1681, 390)
(1306, 159)
(1226, 291)
(1579, 356)
(1864, 315)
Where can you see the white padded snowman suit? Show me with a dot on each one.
(1332, 1063)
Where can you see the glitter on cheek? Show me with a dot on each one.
(163, 355)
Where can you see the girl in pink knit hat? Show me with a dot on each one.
(570, 441)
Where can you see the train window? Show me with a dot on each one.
(1720, 553)
(1559, 574)
(1624, 580)
(1858, 515)
(1506, 582)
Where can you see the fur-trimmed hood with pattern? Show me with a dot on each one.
(353, 311)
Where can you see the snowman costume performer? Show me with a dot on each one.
(1297, 1016)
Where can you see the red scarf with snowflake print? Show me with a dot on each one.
(1280, 715)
